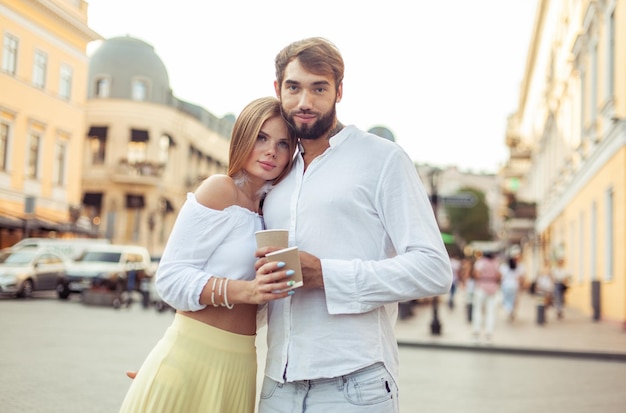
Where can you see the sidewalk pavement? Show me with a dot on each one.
(575, 335)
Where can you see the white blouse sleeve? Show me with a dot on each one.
(197, 233)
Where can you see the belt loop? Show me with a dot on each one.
(341, 382)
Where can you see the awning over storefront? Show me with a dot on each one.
(99, 132)
(138, 135)
(10, 222)
(134, 201)
(93, 199)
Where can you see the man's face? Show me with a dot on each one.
(307, 100)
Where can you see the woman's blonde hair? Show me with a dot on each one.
(246, 130)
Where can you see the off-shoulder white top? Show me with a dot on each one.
(206, 242)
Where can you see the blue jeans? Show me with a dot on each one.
(368, 390)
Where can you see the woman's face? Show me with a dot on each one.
(271, 151)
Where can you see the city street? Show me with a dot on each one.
(67, 357)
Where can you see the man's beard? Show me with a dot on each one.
(314, 131)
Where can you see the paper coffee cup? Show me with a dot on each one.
(272, 238)
(291, 258)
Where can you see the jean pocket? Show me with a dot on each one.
(268, 388)
(370, 389)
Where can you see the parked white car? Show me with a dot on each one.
(114, 267)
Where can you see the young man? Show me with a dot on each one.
(355, 204)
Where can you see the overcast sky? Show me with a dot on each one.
(441, 75)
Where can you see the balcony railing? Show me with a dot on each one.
(143, 168)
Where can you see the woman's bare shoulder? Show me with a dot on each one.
(217, 192)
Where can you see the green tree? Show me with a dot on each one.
(470, 224)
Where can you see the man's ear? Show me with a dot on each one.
(339, 93)
(277, 89)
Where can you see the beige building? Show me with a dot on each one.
(43, 88)
(568, 150)
(145, 148)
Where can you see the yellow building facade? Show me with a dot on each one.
(43, 90)
(571, 126)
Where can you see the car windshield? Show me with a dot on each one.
(100, 256)
(17, 257)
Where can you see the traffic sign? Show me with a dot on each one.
(460, 200)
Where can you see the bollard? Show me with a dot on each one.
(541, 312)
(144, 287)
(595, 299)
(469, 308)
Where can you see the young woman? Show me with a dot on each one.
(206, 361)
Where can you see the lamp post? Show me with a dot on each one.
(433, 175)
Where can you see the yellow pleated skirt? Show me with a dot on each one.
(195, 368)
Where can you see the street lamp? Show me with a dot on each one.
(433, 175)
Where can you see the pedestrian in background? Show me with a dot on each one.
(486, 286)
(512, 278)
(455, 263)
(467, 281)
(561, 279)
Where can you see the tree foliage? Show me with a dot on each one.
(470, 224)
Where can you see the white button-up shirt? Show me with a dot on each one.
(362, 209)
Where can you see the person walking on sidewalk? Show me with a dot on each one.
(512, 277)
(361, 218)
(486, 285)
(561, 278)
(455, 263)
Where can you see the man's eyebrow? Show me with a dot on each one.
(317, 83)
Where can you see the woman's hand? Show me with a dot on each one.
(271, 282)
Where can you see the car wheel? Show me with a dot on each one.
(27, 289)
(63, 292)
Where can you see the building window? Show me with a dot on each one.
(593, 99)
(39, 69)
(610, 236)
(610, 64)
(593, 256)
(140, 90)
(65, 83)
(9, 54)
(32, 163)
(583, 104)
(60, 163)
(136, 152)
(164, 148)
(4, 147)
(97, 144)
(581, 247)
(138, 146)
(103, 87)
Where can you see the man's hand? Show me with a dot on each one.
(311, 271)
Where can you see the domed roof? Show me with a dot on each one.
(383, 132)
(124, 60)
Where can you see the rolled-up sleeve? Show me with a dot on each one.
(416, 263)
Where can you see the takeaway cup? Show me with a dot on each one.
(272, 238)
(291, 258)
